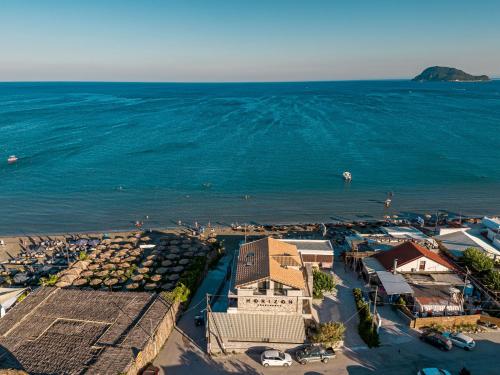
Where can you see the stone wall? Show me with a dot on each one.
(446, 321)
(154, 345)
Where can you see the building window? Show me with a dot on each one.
(421, 266)
(278, 289)
(261, 288)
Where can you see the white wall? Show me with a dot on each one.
(430, 265)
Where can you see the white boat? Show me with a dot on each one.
(347, 176)
(12, 159)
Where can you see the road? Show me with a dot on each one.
(401, 352)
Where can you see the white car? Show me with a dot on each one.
(433, 371)
(462, 341)
(275, 358)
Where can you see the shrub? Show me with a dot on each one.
(49, 281)
(322, 282)
(82, 255)
(477, 260)
(492, 280)
(365, 330)
(179, 294)
(329, 333)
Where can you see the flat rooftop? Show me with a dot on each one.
(310, 245)
(72, 331)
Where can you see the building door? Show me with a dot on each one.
(421, 266)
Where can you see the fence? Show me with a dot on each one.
(446, 321)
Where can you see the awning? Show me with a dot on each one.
(372, 265)
(394, 284)
(258, 327)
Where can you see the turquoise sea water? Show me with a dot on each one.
(101, 155)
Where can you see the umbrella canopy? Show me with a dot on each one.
(132, 286)
(111, 282)
(80, 282)
(95, 282)
(150, 286)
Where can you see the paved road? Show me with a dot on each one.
(401, 352)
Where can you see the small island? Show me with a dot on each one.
(445, 74)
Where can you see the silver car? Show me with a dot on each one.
(275, 358)
(462, 341)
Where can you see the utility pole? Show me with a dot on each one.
(465, 283)
(374, 306)
(208, 321)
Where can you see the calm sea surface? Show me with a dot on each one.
(97, 156)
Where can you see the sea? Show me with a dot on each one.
(100, 156)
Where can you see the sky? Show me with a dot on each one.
(244, 40)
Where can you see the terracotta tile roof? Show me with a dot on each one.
(407, 252)
(269, 259)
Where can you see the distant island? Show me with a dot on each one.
(445, 74)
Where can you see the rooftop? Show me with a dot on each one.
(259, 328)
(457, 242)
(269, 259)
(310, 245)
(434, 294)
(405, 232)
(407, 252)
(394, 284)
(72, 331)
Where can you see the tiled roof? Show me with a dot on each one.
(407, 252)
(266, 259)
(258, 327)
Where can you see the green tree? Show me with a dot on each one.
(476, 259)
(322, 282)
(179, 294)
(49, 281)
(82, 255)
(492, 279)
(329, 333)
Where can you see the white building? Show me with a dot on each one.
(411, 257)
(318, 253)
(492, 225)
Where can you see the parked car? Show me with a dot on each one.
(433, 371)
(461, 340)
(314, 353)
(275, 358)
(437, 340)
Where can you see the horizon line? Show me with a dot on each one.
(236, 82)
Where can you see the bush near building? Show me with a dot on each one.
(492, 280)
(477, 260)
(367, 333)
(329, 334)
(322, 282)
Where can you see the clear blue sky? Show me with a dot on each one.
(244, 40)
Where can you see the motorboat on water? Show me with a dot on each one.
(12, 159)
(347, 176)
